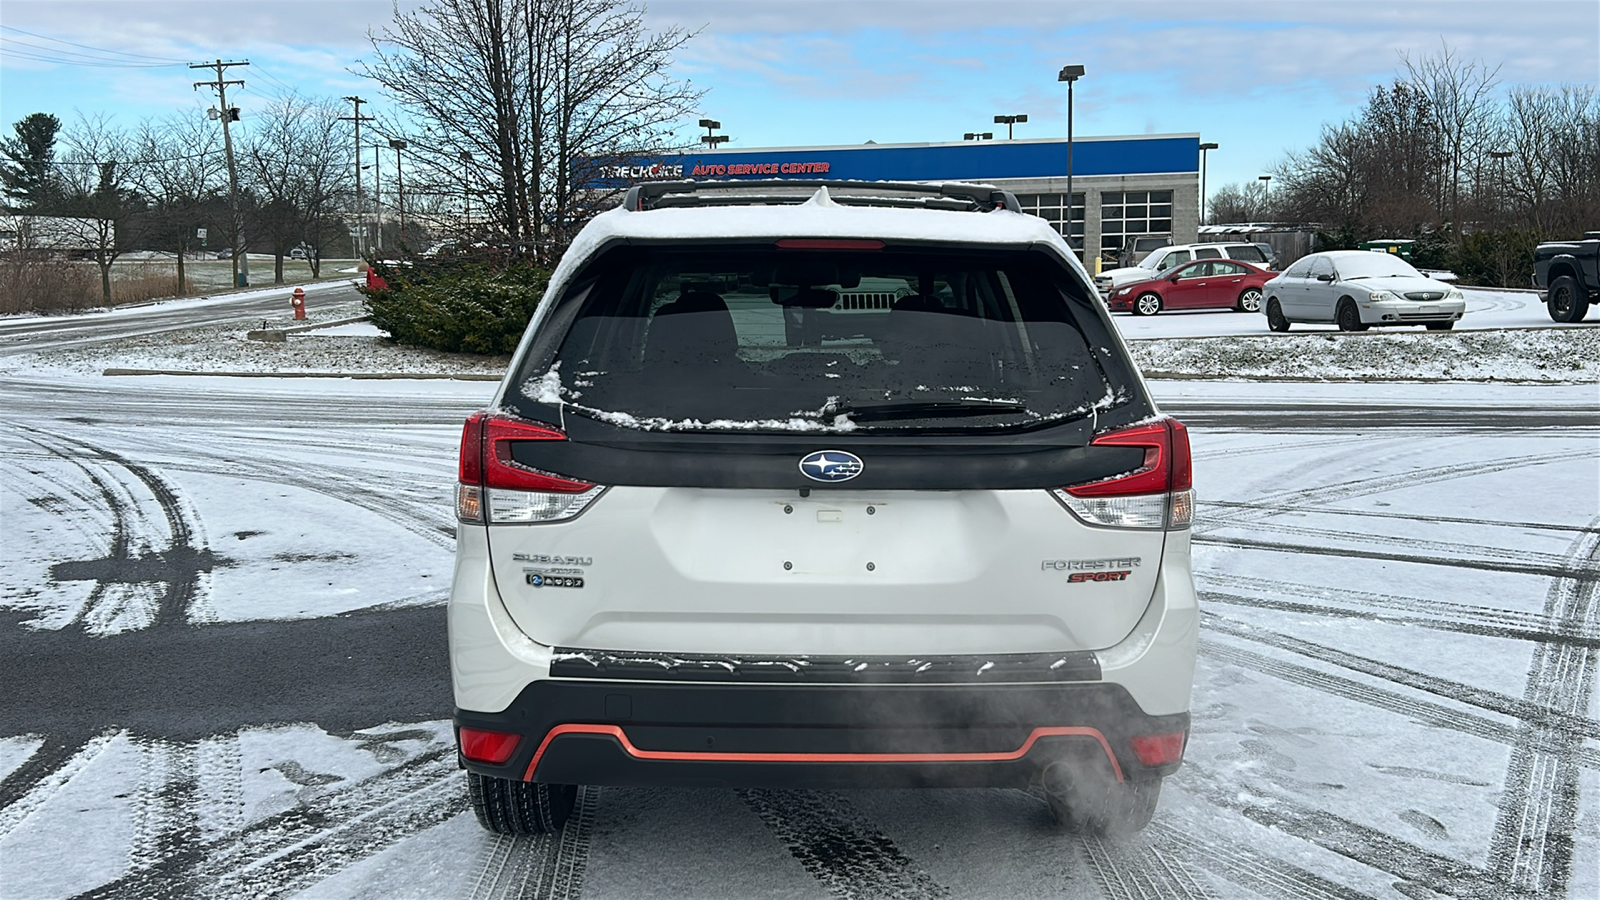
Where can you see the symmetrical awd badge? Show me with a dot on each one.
(831, 466)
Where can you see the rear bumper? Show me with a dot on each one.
(817, 736)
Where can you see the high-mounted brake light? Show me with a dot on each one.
(512, 492)
(1158, 494)
(827, 244)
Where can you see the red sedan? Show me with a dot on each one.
(1202, 284)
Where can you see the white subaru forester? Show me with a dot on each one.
(822, 484)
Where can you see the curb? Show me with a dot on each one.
(280, 335)
(368, 376)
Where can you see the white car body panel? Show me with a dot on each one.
(729, 571)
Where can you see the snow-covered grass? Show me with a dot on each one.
(1566, 355)
(227, 349)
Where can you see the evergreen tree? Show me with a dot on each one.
(27, 163)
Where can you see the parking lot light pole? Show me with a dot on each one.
(1069, 74)
(1500, 156)
(1203, 148)
(466, 191)
(978, 136)
(710, 139)
(397, 146)
(1266, 185)
(1009, 121)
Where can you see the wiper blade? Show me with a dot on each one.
(930, 409)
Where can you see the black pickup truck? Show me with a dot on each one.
(1568, 274)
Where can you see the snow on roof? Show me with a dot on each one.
(810, 219)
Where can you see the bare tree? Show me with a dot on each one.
(1232, 203)
(298, 166)
(181, 167)
(523, 104)
(97, 172)
(1462, 106)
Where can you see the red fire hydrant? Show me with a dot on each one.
(298, 301)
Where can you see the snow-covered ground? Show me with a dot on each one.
(1191, 345)
(1395, 697)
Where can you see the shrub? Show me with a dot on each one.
(457, 305)
(36, 282)
(1498, 258)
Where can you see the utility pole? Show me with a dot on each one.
(358, 118)
(241, 260)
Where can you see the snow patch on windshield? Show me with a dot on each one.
(831, 417)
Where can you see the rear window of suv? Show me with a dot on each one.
(760, 339)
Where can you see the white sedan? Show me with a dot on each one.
(1357, 289)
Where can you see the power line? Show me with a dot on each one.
(43, 37)
(23, 54)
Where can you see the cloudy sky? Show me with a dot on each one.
(1258, 78)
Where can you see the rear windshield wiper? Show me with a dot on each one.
(930, 409)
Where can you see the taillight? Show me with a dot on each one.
(1159, 749)
(1158, 494)
(494, 487)
(492, 747)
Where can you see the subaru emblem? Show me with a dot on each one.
(831, 466)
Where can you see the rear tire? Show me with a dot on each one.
(1099, 806)
(1250, 300)
(1147, 305)
(520, 807)
(1440, 326)
(1275, 318)
(1349, 318)
(1567, 301)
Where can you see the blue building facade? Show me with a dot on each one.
(1123, 187)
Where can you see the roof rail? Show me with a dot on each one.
(952, 195)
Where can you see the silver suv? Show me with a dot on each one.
(1166, 258)
(801, 485)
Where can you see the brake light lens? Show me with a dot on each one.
(1158, 494)
(1159, 749)
(494, 488)
(493, 747)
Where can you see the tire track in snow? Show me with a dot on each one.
(1377, 484)
(1441, 550)
(1423, 711)
(45, 772)
(508, 867)
(165, 821)
(1440, 615)
(1545, 571)
(1406, 517)
(567, 854)
(1140, 870)
(840, 847)
(1379, 850)
(178, 567)
(1559, 722)
(1531, 849)
(302, 845)
(117, 539)
(1248, 868)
